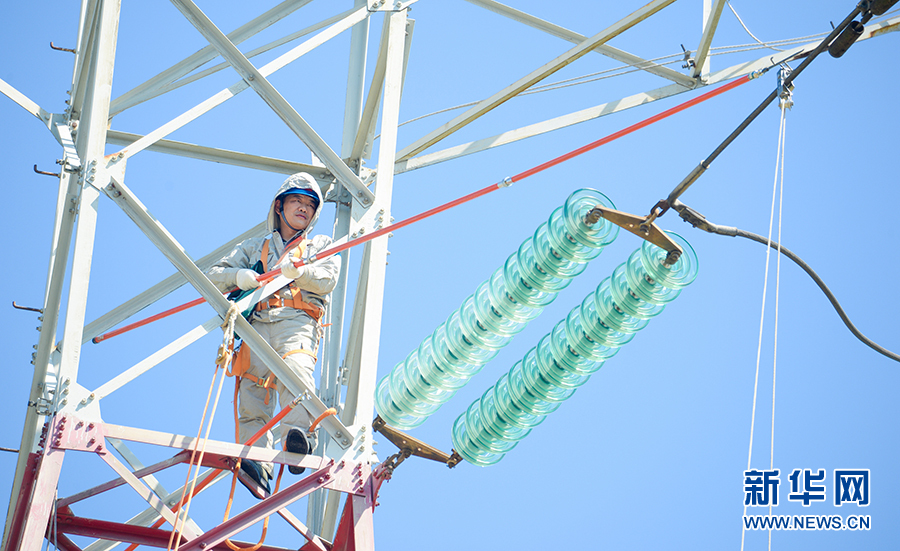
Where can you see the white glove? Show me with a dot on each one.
(288, 269)
(246, 279)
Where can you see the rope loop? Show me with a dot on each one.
(226, 349)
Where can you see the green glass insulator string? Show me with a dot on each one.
(501, 307)
(577, 347)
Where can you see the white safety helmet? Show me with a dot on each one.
(306, 185)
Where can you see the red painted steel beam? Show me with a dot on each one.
(15, 532)
(115, 531)
(322, 478)
(180, 457)
(36, 513)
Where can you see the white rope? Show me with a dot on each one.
(222, 360)
(779, 168)
(779, 176)
(753, 36)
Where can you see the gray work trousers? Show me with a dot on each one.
(284, 336)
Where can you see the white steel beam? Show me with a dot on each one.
(83, 201)
(331, 380)
(24, 101)
(181, 342)
(275, 100)
(710, 22)
(225, 156)
(576, 38)
(83, 51)
(132, 206)
(59, 249)
(356, 81)
(740, 69)
(254, 52)
(530, 79)
(155, 359)
(135, 464)
(154, 86)
(142, 490)
(370, 134)
(149, 516)
(365, 331)
(235, 89)
(361, 392)
(369, 116)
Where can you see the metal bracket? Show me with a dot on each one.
(688, 61)
(45, 173)
(61, 49)
(641, 227)
(410, 446)
(42, 406)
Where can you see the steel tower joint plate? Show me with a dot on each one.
(60, 127)
(361, 451)
(74, 432)
(389, 5)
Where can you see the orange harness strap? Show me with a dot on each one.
(296, 301)
(241, 365)
(302, 351)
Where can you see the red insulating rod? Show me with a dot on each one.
(484, 191)
(145, 321)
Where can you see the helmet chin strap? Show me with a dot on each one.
(288, 224)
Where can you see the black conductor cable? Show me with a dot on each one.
(697, 220)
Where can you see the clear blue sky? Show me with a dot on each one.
(650, 453)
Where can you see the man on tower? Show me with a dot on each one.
(289, 320)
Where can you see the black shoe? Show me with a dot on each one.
(296, 442)
(257, 473)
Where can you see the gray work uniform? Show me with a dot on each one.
(286, 329)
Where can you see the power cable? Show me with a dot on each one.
(699, 221)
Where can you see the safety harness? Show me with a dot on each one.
(241, 364)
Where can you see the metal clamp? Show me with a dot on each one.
(785, 93)
(656, 211)
(410, 446)
(642, 227)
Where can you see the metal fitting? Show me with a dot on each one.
(593, 216)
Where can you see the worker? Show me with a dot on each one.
(289, 320)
